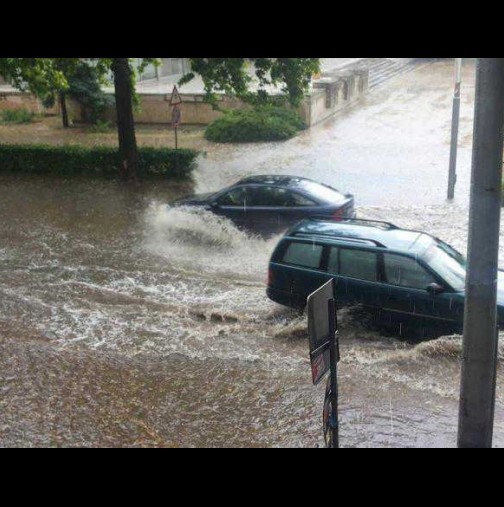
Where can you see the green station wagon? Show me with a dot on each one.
(403, 276)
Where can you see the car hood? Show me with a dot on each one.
(193, 199)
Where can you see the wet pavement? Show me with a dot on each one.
(126, 323)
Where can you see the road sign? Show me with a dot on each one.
(319, 331)
(324, 354)
(175, 97)
(176, 115)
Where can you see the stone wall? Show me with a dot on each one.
(18, 100)
(330, 93)
(336, 90)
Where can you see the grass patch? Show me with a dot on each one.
(17, 116)
(101, 160)
(260, 124)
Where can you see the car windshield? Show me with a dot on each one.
(448, 263)
(322, 192)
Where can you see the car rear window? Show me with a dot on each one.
(322, 192)
(358, 264)
(303, 254)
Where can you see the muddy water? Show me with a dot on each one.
(124, 322)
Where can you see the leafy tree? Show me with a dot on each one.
(46, 76)
(85, 86)
(232, 76)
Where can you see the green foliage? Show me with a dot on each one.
(21, 115)
(41, 76)
(260, 124)
(231, 76)
(100, 127)
(106, 161)
(84, 87)
(45, 77)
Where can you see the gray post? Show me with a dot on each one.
(334, 358)
(477, 389)
(452, 175)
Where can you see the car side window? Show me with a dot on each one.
(358, 264)
(303, 254)
(269, 196)
(300, 200)
(406, 272)
(235, 197)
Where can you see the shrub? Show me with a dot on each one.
(85, 88)
(101, 160)
(20, 115)
(100, 127)
(262, 123)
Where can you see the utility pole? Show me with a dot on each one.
(477, 388)
(452, 175)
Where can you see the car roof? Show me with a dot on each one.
(360, 231)
(279, 181)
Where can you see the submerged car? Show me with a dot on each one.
(269, 204)
(402, 276)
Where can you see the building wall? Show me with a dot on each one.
(168, 67)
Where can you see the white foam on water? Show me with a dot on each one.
(199, 241)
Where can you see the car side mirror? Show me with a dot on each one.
(434, 288)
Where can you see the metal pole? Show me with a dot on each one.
(477, 388)
(334, 358)
(452, 175)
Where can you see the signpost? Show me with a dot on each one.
(324, 354)
(175, 101)
(176, 121)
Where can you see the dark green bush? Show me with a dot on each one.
(21, 115)
(263, 123)
(102, 160)
(85, 88)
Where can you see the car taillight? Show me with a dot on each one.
(270, 276)
(339, 213)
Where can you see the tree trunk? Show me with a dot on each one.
(64, 111)
(125, 122)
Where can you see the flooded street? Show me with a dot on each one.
(126, 323)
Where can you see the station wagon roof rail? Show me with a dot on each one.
(343, 220)
(346, 239)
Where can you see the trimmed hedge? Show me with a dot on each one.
(100, 160)
(263, 123)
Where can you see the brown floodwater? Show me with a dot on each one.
(124, 322)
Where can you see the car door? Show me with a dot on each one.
(406, 297)
(294, 206)
(232, 204)
(265, 206)
(357, 275)
(300, 269)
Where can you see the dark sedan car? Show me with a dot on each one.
(270, 204)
